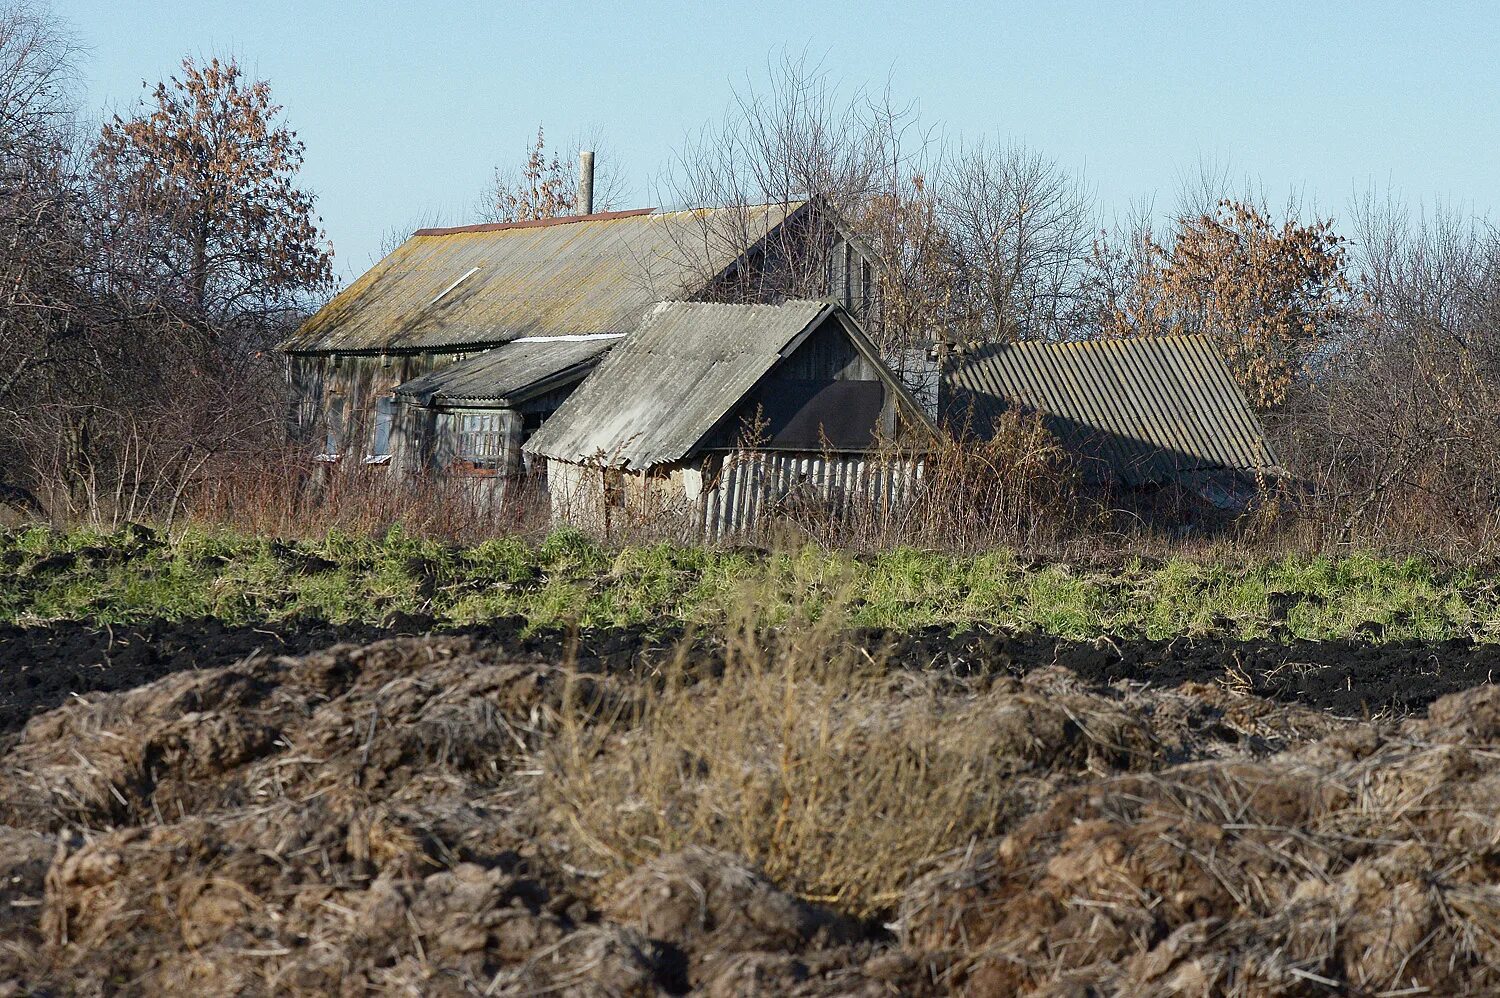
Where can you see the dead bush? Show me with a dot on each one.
(283, 492)
(838, 777)
(1014, 487)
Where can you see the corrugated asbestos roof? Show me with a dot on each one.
(488, 284)
(670, 382)
(505, 375)
(1151, 410)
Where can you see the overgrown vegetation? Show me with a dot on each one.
(568, 578)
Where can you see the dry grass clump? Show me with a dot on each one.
(838, 776)
(844, 779)
(1364, 864)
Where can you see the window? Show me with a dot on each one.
(306, 414)
(334, 416)
(380, 443)
(532, 421)
(481, 439)
(848, 276)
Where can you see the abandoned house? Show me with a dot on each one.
(716, 414)
(671, 361)
(1137, 413)
(449, 353)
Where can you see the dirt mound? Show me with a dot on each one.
(368, 718)
(319, 899)
(44, 665)
(348, 821)
(1361, 864)
(332, 821)
(737, 934)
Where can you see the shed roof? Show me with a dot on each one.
(1149, 410)
(481, 285)
(670, 382)
(510, 373)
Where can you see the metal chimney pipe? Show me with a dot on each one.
(586, 182)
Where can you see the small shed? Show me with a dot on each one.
(1136, 412)
(475, 415)
(719, 415)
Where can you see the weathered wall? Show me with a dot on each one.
(607, 501)
(335, 394)
(827, 354)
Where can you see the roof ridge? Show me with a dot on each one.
(1098, 341)
(747, 304)
(532, 223)
(598, 216)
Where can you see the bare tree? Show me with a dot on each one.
(977, 244)
(1021, 227)
(41, 248)
(546, 185)
(395, 235)
(1209, 182)
(920, 269)
(1400, 423)
(796, 137)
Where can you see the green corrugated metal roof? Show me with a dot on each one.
(489, 284)
(1148, 410)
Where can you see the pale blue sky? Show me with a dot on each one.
(407, 107)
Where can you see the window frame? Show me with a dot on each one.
(381, 430)
(479, 441)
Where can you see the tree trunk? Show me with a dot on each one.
(198, 276)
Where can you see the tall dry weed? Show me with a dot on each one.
(841, 778)
(286, 494)
(1013, 487)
